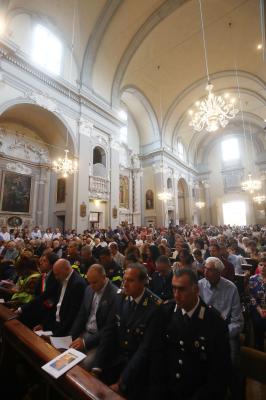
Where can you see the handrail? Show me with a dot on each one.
(77, 383)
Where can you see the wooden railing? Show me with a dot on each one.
(76, 384)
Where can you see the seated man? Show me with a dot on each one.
(190, 351)
(46, 290)
(97, 307)
(68, 302)
(223, 295)
(86, 259)
(124, 349)
(112, 269)
(161, 279)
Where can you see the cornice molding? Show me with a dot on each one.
(61, 86)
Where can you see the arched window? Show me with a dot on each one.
(99, 156)
(47, 49)
(169, 183)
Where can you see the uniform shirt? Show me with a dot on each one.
(61, 298)
(91, 325)
(191, 312)
(225, 298)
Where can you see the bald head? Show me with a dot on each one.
(96, 277)
(61, 269)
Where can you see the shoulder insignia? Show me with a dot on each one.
(202, 312)
(145, 302)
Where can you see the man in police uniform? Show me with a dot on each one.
(192, 356)
(161, 279)
(129, 336)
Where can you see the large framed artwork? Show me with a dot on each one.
(123, 192)
(16, 193)
(61, 190)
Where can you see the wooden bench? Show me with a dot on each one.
(76, 384)
(253, 367)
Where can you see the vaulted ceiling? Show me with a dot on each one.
(148, 55)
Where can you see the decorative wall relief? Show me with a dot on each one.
(18, 145)
(19, 168)
(16, 193)
(123, 192)
(43, 100)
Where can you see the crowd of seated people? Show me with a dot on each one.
(126, 295)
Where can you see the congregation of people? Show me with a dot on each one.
(159, 312)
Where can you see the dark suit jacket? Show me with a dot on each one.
(104, 313)
(70, 306)
(40, 308)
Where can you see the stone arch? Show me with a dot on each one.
(144, 101)
(64, 125)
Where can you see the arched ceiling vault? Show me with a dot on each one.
(155, 47)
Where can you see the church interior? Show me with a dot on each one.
(131, 121)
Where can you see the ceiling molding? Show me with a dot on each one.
(162, 12)
(95, 39)
(143, 99)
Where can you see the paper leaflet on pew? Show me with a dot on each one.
(61, 342)
(63, 363)
(43, 333)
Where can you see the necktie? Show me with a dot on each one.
(43, 282)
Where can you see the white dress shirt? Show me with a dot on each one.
(91, 325)
(63, 290)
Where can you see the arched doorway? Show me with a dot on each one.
(31, 138)
(182, 190)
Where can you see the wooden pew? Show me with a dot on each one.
(76, 384)
(253, 367)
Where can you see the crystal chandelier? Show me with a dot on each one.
(213, 112)
(66, 166)
(200, 204)
(251, 185)
(164, 196)
(259, 199)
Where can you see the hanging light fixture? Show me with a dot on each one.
(65, 165)
(251, 185)
(213, 112)
(200, 204)
(259, 199)
(164, 195)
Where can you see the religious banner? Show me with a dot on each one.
(123, 192)
(83, 210)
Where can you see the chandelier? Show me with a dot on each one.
(164, 196)
(259, 199)
(251, 185)
(65, 165)
(200, 204)
(213, 112)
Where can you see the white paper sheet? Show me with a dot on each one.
(62, 363)
(2, 301)
(43, 333)
(61, 342)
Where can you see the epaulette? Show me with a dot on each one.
(155, 299)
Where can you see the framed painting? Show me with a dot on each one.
(149, 200)
(123, 192)
(61, 191)
(16, 193)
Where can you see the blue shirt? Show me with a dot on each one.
(225, 298)
(237, 263)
